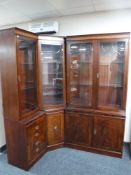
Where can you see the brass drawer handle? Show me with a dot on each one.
(37, 150)
(55, 127)
(94, 131)
(36, 134)
(37, 127)
(37, 143)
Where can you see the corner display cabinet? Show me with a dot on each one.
(25, 124)
(50, 102)
(52, 87)
(97, 67)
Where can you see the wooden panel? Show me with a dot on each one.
(78, 129)
(55, 128)
(108, 133)
(8, 68)
(16, 144)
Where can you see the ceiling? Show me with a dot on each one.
(15, 11)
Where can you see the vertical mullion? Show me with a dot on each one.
(95, 71)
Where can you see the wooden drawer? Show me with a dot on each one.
(36, 136)
(55, 128)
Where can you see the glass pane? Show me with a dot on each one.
(52, 73)
(81, 62)
(27, 74)
(111, 68)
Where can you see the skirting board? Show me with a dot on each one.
(3, 148)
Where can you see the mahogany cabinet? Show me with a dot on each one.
(97, 69)
(19, 71)
(50, 102)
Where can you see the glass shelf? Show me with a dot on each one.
(50, 61)
(106, 63)
(52, 94)
(81, 84)
(27, 88)
(58, 73)
(111, 85)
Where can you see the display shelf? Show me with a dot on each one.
(48, 61)
(52, 93)
(111, 85)
(81, 84)
(109, 64)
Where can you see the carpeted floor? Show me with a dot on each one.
(73, 162)
(6, 169)
(67, 161)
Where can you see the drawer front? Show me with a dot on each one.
(55, 128)
(36, 135)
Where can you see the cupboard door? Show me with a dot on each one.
(80, 73)
(78, 129)
(55, 128)
(108, 133)
(111, 87)
(26, 55)
(52, 71)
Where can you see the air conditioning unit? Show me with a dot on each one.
(44, 28)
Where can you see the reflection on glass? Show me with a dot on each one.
(81, 61)
(111, 68)
(28, 74)
(52, 67)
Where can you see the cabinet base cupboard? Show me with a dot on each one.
(96, 133)
(50, 102)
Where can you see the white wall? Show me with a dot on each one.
(2, 133)
(102, 22)
(93, 23)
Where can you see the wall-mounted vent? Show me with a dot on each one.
(44, 28)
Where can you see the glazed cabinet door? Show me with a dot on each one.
(52, 67)
(27, 74)
(78, 128)
(112, 67)
(108, 133)
(80, 73)
(55, 128)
